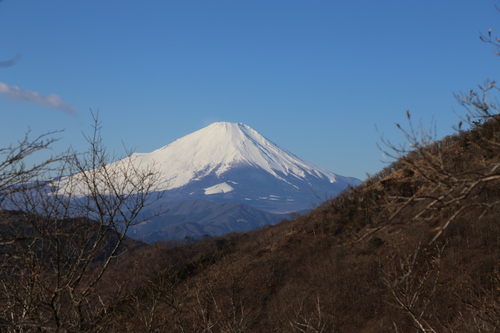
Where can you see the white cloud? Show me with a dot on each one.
(16, 94)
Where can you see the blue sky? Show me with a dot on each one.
(315, 77)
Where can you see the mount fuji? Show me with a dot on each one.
(226, 178)
(230, 162)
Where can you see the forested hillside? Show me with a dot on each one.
(414, 249)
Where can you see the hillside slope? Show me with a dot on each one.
(397, 254)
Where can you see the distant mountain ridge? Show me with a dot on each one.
(197, 218)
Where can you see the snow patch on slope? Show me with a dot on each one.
(219, 188)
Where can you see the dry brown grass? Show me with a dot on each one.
(361, 262)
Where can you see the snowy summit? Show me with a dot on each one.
(232, 162)
(221, 146)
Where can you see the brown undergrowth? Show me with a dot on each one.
(396, 254)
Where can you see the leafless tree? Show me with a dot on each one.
(454, 182)
(458, 178)
(308, 322)
(57, 248)
(15, 172)
(412, 285)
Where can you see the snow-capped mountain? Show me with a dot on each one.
(232, 162)
(216, 180)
